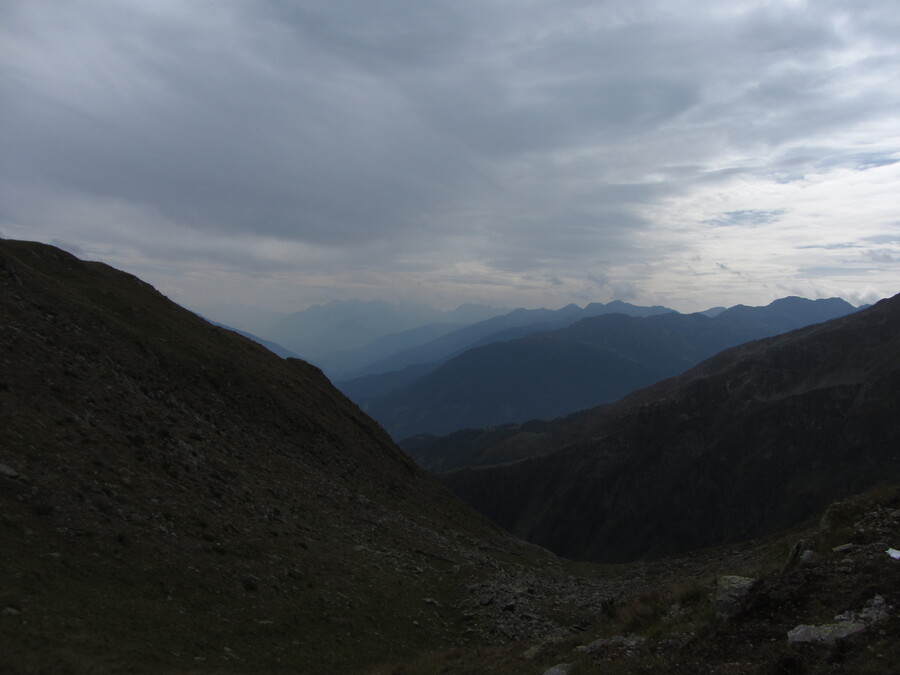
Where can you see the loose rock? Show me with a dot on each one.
(828, 633)
(625, 641)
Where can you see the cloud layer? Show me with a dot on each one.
(536, 152)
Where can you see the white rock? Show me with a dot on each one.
(846, 624)
(827, 633)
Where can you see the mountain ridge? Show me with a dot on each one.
(592, 361)
(323, 331)
(513, 324)
(808, 416)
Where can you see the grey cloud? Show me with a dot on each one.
(526, 138)
(747, 218)
(402, 34)
(881, 257)
(884, 238)
(830, 247)
(784, 28)
(227, 145)
(861, 161)
(619, 290)
(835, 272)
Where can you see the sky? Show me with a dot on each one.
(276, 154)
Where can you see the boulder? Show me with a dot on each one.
(731, 593)
(559, 669)
(845, 624)
(827, 633)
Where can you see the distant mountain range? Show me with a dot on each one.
(428, 355)
(754, 439)
(329, 334)
(550, 373)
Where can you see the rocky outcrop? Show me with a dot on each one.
(560, 669)
(845, 624)
(731, 595)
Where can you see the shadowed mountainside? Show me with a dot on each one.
(755, 439)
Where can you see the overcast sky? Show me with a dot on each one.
(281, 153)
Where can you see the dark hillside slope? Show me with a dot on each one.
(173, 496)
(750, 441)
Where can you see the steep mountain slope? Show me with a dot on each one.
(173, 496)
(752, 440)
(593, 361)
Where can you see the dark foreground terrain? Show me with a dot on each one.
(174, 498)
(674, 619)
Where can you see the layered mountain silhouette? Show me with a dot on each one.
(338, 335)
(407, 365)
(592, 361)
(402, 357)
(350, 363)
(754, 439)
(517, 323)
